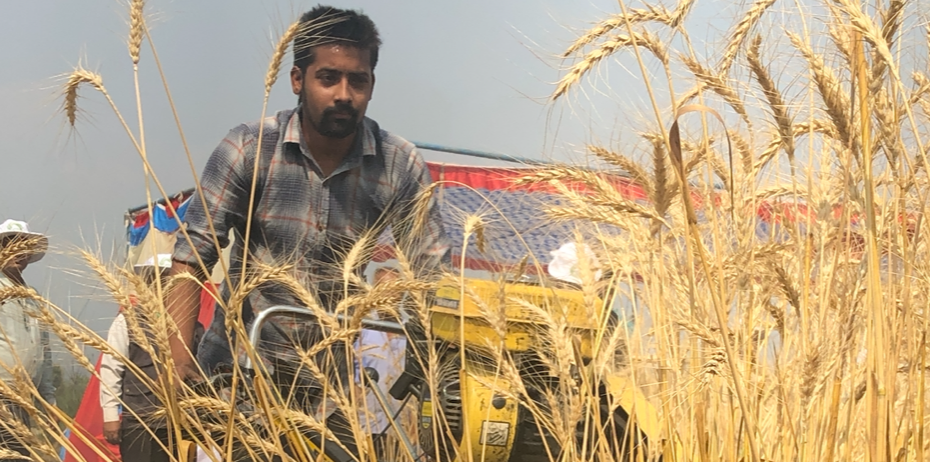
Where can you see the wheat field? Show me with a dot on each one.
(776, 278)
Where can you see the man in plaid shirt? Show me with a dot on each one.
(326, 175)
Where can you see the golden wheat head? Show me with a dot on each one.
(78, 77)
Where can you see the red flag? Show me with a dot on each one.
(89, 421)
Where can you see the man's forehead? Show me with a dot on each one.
(342, 56)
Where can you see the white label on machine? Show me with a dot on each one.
(495, 433)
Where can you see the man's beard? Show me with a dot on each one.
(331, 127)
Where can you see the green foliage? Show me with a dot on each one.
(70, 388)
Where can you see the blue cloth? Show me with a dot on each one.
(169, 224)
(161, 220)
(61, 452)
(137, 235)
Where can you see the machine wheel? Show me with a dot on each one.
(442, 412)
(626, 443)
(531, 444)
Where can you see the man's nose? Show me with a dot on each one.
(343, 90)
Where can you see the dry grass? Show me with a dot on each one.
(808, 343)
(832, 315)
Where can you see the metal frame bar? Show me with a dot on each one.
(262, 317)
(480, 154)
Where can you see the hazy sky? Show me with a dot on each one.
(472, 74)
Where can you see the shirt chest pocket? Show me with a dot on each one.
(356, 208)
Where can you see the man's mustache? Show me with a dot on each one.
(341, 110)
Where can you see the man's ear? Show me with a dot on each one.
(373, 80)
(297, 80)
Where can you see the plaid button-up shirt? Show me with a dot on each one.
(302, 217)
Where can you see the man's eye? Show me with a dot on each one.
(358, 81)
(329, 79)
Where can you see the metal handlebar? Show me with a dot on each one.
(371, 380)
(262, 317)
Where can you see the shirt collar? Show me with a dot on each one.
(292, 133)
(368, 144)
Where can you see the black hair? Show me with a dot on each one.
(325, 24)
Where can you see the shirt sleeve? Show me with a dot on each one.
(226, 185)
(420, 234)
(111, 369)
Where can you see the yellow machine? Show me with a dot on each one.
(469, 409)
(475, 412)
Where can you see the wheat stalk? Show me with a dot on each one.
(656, 46)
(814, 126)
(869, 30)
(888, 129)
(357, 255)
(271, 76)
(605, 193)
(742, 148)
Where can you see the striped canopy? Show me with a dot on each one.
(515, 225)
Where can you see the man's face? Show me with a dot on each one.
(385, 275)
(335, 89)
(15, 265)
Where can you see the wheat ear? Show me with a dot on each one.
(681, 12)
(773, 97)
(136, 22)
(639, 174)
(17, 248)
(831, 92)
(719, 85)
(78, 76)
(750, 19)
(891, 22)
(651, 13)
(274, 67)
(577, 71)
